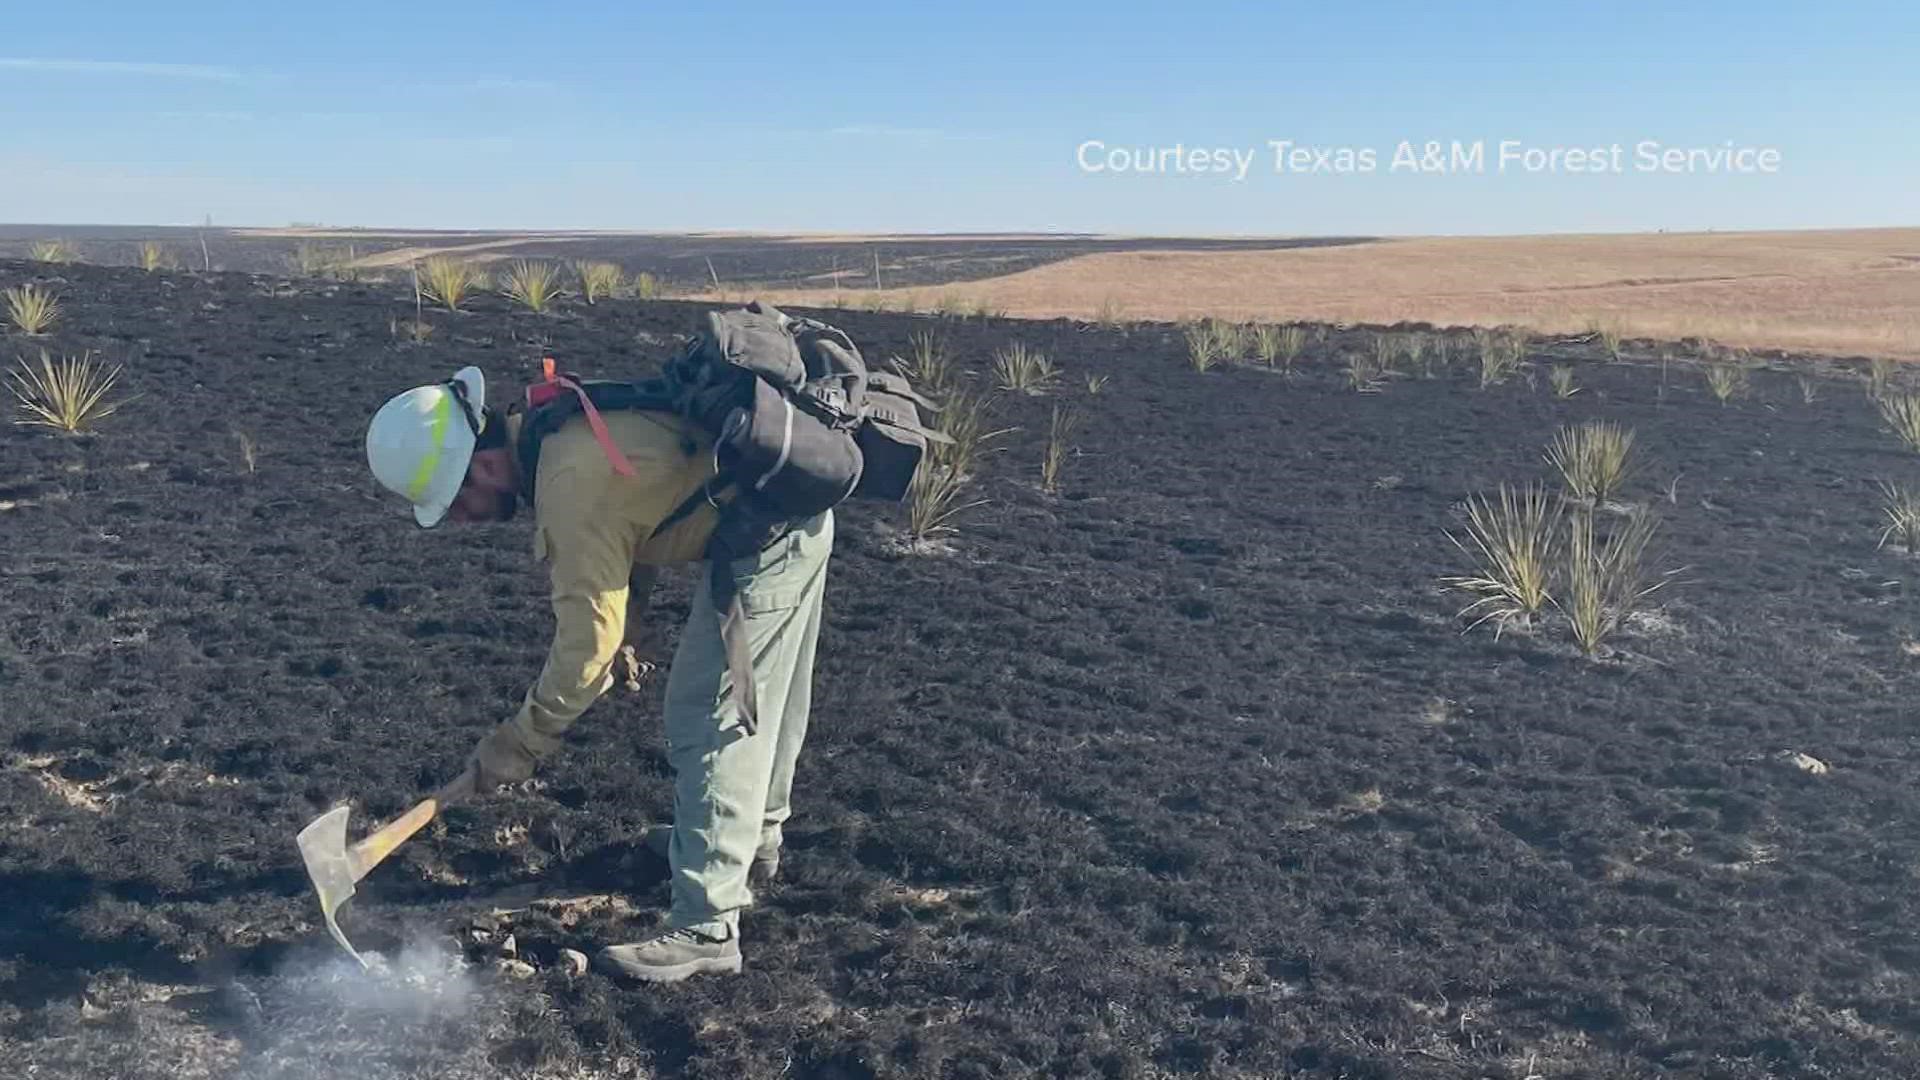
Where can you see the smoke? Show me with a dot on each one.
(421, 1012)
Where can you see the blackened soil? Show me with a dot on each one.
(680, 261)
(1185, 770)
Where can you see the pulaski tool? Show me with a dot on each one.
(336, 866)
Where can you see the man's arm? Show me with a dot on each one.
(592, 560)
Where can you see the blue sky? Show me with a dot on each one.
(888, 116)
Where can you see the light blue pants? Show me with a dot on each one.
(731, 789)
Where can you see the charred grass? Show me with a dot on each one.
(1186, 770)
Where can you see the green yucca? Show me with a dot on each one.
(1230, 338)
(1500, 356)
(67, 396)
(1061, 429)
(1561, 376)
(32, 309)
(52, 251)
(1022, 370)
(1902, 415)
(1594, 459)
(1727, 380)
(446, 280)
(963, 420)
(646, 286)
(1108, 314)
(1901, 505)
(1293, 339)
(1606, 577)
(1515, 543)
(154, 257)
(1880, 372)
(1096, 383)
(531, 283)
(1266, 343)
(1608, 335)
(935, 498)
(1414, 347)
(1203, 346)
(1386, 348)
(1364, 371)
(928, 363)
(598, 279)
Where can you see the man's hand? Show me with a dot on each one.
(500, 758)
(636, 665)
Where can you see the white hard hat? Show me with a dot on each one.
(420, 442)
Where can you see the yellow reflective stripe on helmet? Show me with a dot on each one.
(423, 475)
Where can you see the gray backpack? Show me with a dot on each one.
(799, 425)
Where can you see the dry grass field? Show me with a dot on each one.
(1852, 292)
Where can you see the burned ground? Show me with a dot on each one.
(680, 261)
(1186, 770)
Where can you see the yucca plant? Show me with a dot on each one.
(1266, 343)
(1203, 349)
(1108, 314)
(1594, 459)
(1809, 390)
(67, 396)
(1902, 415)
(32, 309)
(1880, 372)
(1096, 383)
(1901, 505)
(52, 251)
(154, 257)
(1515, 542)
(963, 420)
(1727, 380)
(1608, 335)
(1607, 578)
(1059, 430)
(1386, 348)
(447, 281)
(1500, 356)
(1561, 376)
(927, 364)
(598, 279)
(531, 283)
(1414, 347)
(1364, 371)
(935, 498)
(646, 286)
(1293, 339)
(1230, 338)
(1022, 370)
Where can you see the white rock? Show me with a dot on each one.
(514, 969)
(575, 960)
(1804, 762)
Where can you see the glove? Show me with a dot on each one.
(500, 758)
(636, 669)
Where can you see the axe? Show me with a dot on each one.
(336, 866)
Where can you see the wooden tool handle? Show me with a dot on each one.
(368, 853)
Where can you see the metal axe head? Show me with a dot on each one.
(323, 845)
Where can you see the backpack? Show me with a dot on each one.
(799, 425)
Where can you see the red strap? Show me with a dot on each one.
(599, 426)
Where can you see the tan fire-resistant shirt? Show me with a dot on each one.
(593, 526)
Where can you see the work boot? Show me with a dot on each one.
(675, 955)
(764, 868)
